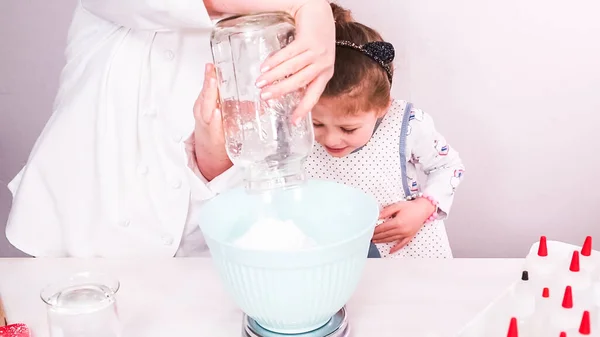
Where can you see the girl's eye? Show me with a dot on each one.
(348, 130)
(317, 125)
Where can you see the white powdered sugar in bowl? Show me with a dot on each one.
(275, 235)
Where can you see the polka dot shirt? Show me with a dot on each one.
(376, 169)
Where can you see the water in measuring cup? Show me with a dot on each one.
(83, 311)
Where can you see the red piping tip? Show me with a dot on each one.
(574, 267)
(584, 327)
(567, 302)
(546, 293)
(543, 247)
(513, 331)
(586, 250)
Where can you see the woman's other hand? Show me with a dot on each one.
(209, 139)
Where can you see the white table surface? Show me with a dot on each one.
(183, 297)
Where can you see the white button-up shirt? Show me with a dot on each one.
(108, 176)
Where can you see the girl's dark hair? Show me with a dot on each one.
(359, 80)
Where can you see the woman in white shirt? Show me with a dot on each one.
(108, 176)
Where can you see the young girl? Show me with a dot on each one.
(369, 140)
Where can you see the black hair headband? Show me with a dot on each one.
(381, 52)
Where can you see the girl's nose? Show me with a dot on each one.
(331, 140)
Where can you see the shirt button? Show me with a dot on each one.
(125, 223)
(167, 240)
(177, 138)
(169, 55)
(150, 112)
(143, 169)
(176, 183)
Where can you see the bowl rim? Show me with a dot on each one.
(374, 205)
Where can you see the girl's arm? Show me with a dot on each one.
(438, 160)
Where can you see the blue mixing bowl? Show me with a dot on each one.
(292, 291)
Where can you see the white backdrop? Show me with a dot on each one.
(514, 85)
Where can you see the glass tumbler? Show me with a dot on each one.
(259, 134)
(83, 305)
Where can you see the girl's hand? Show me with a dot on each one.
(404, 220)
(209, 139)
(308, 60)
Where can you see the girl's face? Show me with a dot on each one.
(341, 133)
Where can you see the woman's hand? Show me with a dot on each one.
(209, 139)
(403, 221)
(308, 60)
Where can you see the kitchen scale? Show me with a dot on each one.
(336, 327)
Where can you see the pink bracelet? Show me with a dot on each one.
(432, 217)
(434, 202)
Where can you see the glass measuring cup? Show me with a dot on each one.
(83, 305)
